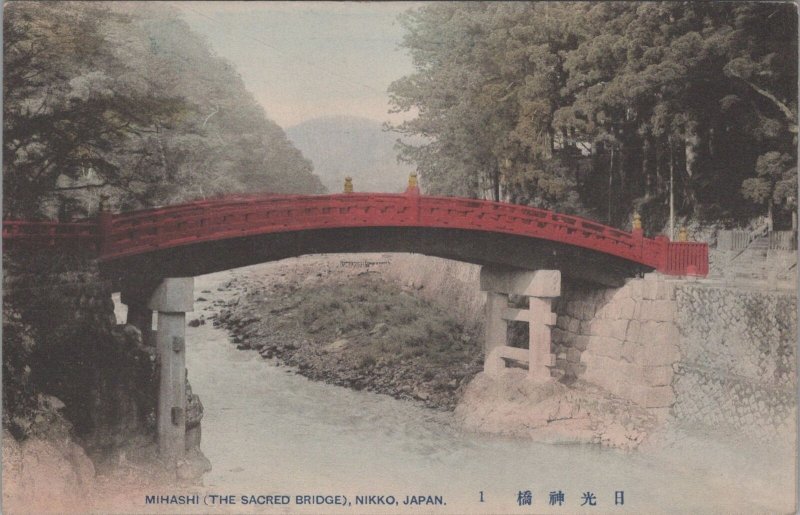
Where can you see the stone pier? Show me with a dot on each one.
(541, 287)
(172, 298)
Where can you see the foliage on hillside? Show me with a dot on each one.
(102, 98)
(533, 101)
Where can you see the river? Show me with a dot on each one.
(269, 431)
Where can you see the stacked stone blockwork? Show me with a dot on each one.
(706, 354)
(101, 373)
(624, 340)
(65, 357)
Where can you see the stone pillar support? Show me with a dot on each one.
(172, 298)
(539, 342)
(541, 287)
(495, 327)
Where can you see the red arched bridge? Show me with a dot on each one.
(211, 235)
(150, 255)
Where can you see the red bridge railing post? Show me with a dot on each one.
(663, 253)
(638, 235)
(412, 193)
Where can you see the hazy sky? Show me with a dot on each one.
(303, 60)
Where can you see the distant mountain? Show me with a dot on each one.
(346, 145)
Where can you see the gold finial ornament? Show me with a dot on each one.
(683, 234)
(348, 184)
(637, 221)
(412, 180)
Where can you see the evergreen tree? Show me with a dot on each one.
(622, 102)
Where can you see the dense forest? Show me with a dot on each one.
(107, 99)
(604, 108)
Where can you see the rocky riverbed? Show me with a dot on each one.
(346, 325)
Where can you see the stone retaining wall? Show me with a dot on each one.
(705, 354)
(623, 340)
(738, 359)
(74, 350)
(100, 371)
(448, 283)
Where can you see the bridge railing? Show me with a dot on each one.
(169, 226)
(211, 221)
(686, 258)
(528, 221)
(49, 233)
(126, 234)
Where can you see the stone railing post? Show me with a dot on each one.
(173, 298)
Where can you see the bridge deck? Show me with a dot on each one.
(138, 233)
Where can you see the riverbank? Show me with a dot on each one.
(341, 322)
(51, 472)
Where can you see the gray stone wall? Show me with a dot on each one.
(738, 364)
(447, 283)
(75, 351)
(703, 353)
(100, 371)
(623, 340)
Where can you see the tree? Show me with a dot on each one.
(657, 98)
(101, 99)
(67, 113)
(775, 184)
(487, 83)
(224, 143)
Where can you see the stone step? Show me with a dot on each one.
(757, 254)
(748, 266)
(745, 266)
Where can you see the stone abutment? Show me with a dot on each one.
(695, 352)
